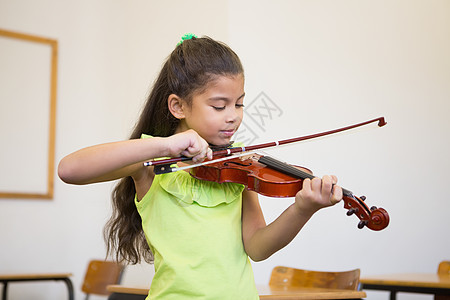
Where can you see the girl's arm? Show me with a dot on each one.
(261, 241)
(120, 159)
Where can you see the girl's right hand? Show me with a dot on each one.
(190, 144)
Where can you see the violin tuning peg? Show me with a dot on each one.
(373, 208)
(351, 211)
(362, 223)
(363, 198)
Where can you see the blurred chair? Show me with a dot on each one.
(285, 276)
(443, 269)
(99, 275)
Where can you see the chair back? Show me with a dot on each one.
(285, 276)
(99, 275)
(443, 270)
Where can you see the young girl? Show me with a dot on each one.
(200, 234)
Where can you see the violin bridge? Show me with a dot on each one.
(162, 169)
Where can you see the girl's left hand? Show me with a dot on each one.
(318, 193)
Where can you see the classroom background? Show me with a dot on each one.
(310, 66)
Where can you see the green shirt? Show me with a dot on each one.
(193, 228)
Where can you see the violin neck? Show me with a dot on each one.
(291, 170)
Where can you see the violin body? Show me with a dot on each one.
(270, 177)
(251, 173)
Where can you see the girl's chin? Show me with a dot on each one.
(220, 142)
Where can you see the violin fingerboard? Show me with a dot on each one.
(291, 170)
(284, 167)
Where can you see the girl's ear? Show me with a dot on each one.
(176, 106)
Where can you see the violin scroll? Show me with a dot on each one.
(373, 218)
(379, 219)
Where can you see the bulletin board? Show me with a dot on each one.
(28, 81)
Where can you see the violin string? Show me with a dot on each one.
(284, 167)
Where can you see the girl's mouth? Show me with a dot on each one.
(228, 133)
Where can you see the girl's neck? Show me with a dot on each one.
(220, 147)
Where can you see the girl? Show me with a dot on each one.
(200, 234)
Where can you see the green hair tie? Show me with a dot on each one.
(187, 36)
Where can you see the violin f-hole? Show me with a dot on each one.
(237, 163)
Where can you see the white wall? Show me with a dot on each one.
(325, 64)
(331, 63)
(109, 53)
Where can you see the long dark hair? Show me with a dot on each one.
(188, 69)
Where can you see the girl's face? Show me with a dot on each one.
(216, 112)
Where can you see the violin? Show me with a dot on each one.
(271, 177)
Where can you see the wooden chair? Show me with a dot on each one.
(99, 275)
(443, 269)
(285, 276)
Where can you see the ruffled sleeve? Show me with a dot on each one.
(205, 193)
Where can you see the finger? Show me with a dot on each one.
(209, 153)
(204, 153)
(334, 179)
(306, 187)
(337, 195)
(328, 189)
(197, 147)
(190, 152)
(316, 184)
(327, 185)
(198, 159)
(200, 156)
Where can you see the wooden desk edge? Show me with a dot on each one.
(338, 294)
(318, 295)
(23, 276)
(117, 288)
(5, 279)
(429, 280)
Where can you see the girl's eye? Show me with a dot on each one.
(239, 105)
(219, 107)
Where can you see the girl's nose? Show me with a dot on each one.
(233, 115)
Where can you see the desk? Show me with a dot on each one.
(266, 292)
(411, 283)
(6, 278)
